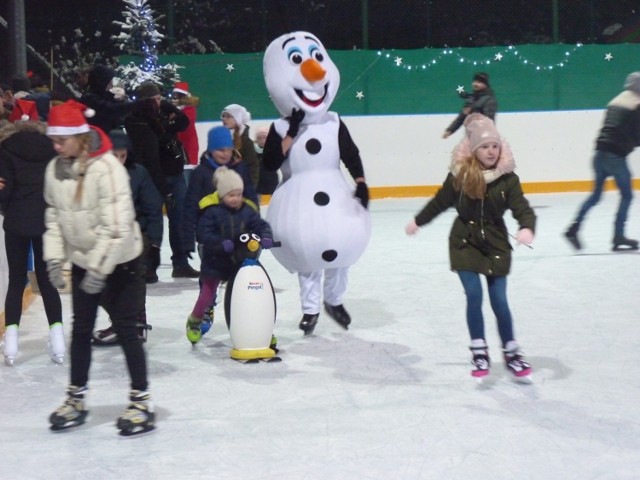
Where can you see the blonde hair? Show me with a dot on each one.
(470, 179)
(83, 159)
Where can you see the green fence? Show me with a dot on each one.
(525, 78)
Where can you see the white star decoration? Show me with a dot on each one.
(230, 67)
(460, 89)
(398, 61)
(497, 57)
(608, 57)
(359, 95)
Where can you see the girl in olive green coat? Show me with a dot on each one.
(481, 185)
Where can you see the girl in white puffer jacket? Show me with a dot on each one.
(90, 221)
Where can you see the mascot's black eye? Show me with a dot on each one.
(244, 238)
(295, 57)
(315, 53)
(255, 237)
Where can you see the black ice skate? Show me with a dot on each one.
(572, 235)
(339, 314)
(139, 416)
(308, 323)
(72, 413)
(621, 244)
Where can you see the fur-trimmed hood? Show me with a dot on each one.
(505, 164)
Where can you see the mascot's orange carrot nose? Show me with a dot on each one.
(312, 71)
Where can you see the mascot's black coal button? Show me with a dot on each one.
(313, 146)
(321, 199)
(329, 255)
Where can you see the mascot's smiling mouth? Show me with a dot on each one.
(308, 97)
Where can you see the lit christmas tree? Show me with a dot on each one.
(140, 37)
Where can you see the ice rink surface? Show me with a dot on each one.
(389, 399)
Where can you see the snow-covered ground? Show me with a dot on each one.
(391, 398)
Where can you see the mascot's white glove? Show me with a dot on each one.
(411, 228)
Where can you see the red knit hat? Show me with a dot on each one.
(182, 87)
(69, 118)
(24, 110)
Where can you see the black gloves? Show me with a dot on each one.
(362, 193)
(294, 122)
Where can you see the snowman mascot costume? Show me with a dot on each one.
(320, 218)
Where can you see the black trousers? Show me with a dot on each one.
(17, 248)
(123, 298)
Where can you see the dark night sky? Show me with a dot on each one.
(242, 26)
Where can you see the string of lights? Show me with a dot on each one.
(446, 55)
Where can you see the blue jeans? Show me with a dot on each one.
(606, 165)
(498, 298)
(178, 189)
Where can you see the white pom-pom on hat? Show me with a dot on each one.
(89, 112)
(24, 117)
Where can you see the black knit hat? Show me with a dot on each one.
(481, 77)
(147, 90)
(119, 139)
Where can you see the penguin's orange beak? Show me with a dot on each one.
(312, 71)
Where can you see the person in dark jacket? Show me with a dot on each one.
(148, 205)
(481, 100)
(482, 185)
(618, 137)
(25, 152)
(152, 128)
(225, 216)
(268, 180)
(110, 109)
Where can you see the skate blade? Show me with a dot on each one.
(137, 431)
(524, 379)
(57, 360)
(258, 360)
(65, 427)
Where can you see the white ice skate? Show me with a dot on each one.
(56, 345)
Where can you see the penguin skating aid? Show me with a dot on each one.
(250, 306)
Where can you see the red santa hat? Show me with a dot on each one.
(69, 118)
(182, 87)
(24, 110)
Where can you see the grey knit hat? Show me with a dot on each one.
(147, 90)
(633, 82)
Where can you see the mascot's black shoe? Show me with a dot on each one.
(308, 322)
(339, 314)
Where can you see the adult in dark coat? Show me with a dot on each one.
(152, 128)
(110, 109)
(618, 137)
(24, 154)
